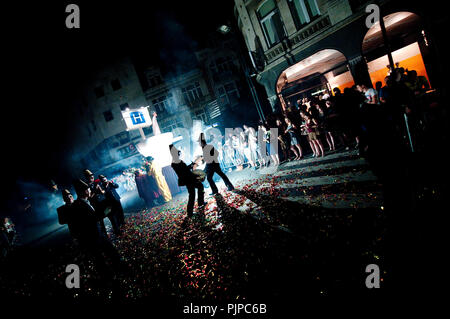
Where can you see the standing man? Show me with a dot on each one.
(210, 156)
(370, 94)
(112, 199)
(87, 229)
(97, 194)
(187, 178)
(64, 211)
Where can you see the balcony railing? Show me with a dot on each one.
(298, 38)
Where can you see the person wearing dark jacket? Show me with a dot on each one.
(87, 229)
(97, 197)
(210, 156)
(112, 198)
(187, 178)
(64, 210)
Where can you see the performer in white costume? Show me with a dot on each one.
(156, 130)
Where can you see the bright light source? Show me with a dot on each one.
(224, 29)
(157, 147)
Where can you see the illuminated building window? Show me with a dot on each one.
(303, 11)
(271, 23)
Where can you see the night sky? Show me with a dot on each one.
(45, 62)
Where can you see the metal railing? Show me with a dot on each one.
(298, 38)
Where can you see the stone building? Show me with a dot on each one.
(305, 47)
(178, 99)
(208, 93)
(100, 136)
(211, 92)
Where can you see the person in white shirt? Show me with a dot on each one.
(370, 94)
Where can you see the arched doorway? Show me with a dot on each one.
(409, 46)
(318, 73)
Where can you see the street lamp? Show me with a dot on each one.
(224, 29)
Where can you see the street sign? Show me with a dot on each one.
(137, 118)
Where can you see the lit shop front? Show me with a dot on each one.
(318, 73)
(407, 42)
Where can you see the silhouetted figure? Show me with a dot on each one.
(97, 196)
(64, 211)
(187, 178)
(87, 229)
(212, 165)
(112, 198)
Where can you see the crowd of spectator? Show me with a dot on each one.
(320, 124)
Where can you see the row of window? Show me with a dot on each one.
(228, 94)
(100, 92)
(302, 11)
(165, 102)
(221, 64)
(192, 92)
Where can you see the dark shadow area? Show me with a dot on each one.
(327, 172)
(327, 189)
(320, 161)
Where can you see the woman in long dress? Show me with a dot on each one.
(252, 143)
(238, 152)
(153, 169)
(245, 148)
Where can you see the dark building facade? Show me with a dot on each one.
(303, 47)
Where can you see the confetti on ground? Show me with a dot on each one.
(256, 241)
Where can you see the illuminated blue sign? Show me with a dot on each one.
(137, 118)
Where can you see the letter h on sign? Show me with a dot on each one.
(137, 118)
